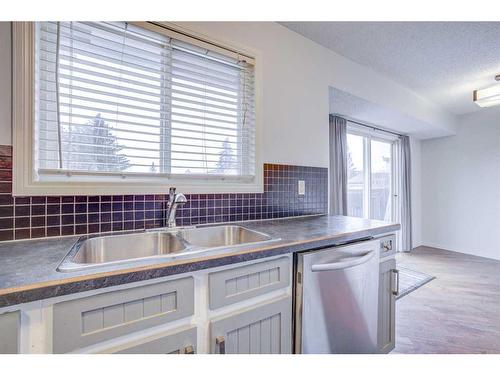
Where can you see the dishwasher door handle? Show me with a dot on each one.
(344, 264)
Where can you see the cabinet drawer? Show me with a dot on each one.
(90, 320)
(240, 283)
(181, 342)
(9, 332)
(387, 245)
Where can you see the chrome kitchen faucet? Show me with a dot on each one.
(173, 202)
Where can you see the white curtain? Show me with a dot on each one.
(338, 165)
(405, 157)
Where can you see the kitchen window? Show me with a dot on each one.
(117, 104)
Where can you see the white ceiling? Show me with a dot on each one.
(442, 61)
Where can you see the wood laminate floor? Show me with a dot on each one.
(458, 312)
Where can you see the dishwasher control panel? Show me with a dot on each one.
(387, 245)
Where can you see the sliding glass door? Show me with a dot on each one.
(371, 176)
(381, 191)
(356, 176)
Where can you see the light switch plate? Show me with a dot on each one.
(302, 187)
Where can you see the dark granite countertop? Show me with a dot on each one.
(28, 269)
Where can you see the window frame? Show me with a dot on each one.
(27, 181)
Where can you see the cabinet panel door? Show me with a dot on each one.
(86, 321)
(264, 329)
(181, 342)
(387, 307)
(9, 332)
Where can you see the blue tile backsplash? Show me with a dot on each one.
(35, 217)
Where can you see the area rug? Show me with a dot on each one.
(410, 280)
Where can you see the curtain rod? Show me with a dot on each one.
(375, 128)
(372, 127)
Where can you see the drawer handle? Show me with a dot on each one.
(222, 344)
(396, 292)
(189, 349)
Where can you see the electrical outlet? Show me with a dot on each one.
(302, 187)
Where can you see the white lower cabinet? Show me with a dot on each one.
(82, 322)
(263, 329)
(9, 332)
(241, 308)
(244, 308)
(387, 306)
(180, 342)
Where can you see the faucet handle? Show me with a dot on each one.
(180, 198)
(171, 194)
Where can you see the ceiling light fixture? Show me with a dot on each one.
(489, 96)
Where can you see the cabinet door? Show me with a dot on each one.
(9, 333)
(387, 306)
(241, 283)
(264, 329)
(180, 342)
(87, 321)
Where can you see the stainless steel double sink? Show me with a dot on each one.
(159, 245)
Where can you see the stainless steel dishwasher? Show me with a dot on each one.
(336, 299)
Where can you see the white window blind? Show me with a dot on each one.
(112, 97)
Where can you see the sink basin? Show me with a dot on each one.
(157, 245)
(108, 249)
(225, 235)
